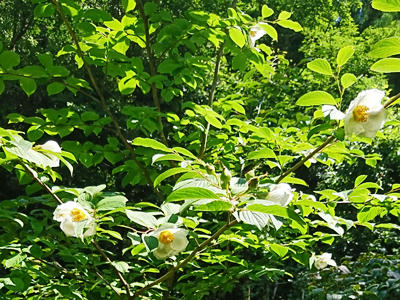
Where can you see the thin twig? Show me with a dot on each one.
(300, 163)
(42, 184)
(184, 262)
(391, 100)
(125, 284)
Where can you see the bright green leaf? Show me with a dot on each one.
(237, 36)
(387, 65)
(316, 98)
(320, 66)
(344, 55)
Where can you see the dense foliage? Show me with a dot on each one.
(199, 150)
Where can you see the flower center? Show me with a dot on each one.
(166, 237)
(77, 215)
(253, 33)
(360, 113)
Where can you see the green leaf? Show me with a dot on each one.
(142, 218)
(111, 203)
(348, 80)
(213, 121)
(169, 173)
(318, 129)
(9, 59)
(320, 66)
(89, 116)
(28, 85)
(36, 251)
(387, 65)
(263, 153)
(360, 179)
(128, 5)
(14, 261)
(368, 213)
(310, 203)
(184, 152)
(291, 25)
(44, 10)
(386, 5)
(260, 220)
(275, 210)
(388, 226)
(150, 143)
(46, 60)
(55, 88)
(215, 206)
(150, 8)
(294, 180)
(344, 55)
(191, 193)
(316, 98)
(284, 15)
(271, 31)
(386, 48)
(278, 249)
(266, 11)
(237, 36)
(151, 242)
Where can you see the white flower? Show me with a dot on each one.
(69, 214)
(52, 146)
(332, 112)
(171, 241)
(322, 261)
(256, 32)
(366, 115)
(281, 194)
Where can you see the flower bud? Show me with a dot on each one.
(253, 183)
(249, 175)
(226, 175)
(210, 169)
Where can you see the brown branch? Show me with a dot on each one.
(152, 70)
(126, 285)
(102, 278)
(42, 184)
(300, 163)
(211, 99)
(184, 262)
(103, 102)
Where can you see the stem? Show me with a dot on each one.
(115, 291)
(300, 163)
(42, 184)
(211, 99)
(391, 100)
(152, 71)
(126, 285)
(184, 262)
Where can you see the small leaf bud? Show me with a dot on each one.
(210, 169)
(226, 175)
(249, 175)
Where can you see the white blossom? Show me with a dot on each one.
(52, 146)
(256, 32)
(332, 112)
(322, 261)
(366, 114)
(281, 194)
(171, 241)
(69, 214)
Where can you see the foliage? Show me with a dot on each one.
(200, 124)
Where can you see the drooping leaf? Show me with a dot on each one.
(150, 143)
(386, 48)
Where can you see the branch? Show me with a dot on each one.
(103, 102)
(42, 184)
(152, 70)
(126, 285)
(184, 262)
(300, 163)
(211, 99)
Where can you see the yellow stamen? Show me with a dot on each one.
(253, 33)
(360, 113)
(166, 237)
(77, 215)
